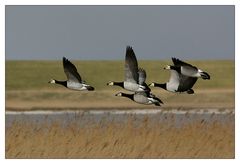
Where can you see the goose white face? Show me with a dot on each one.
(152, 85)
(119, 94)
(167, 67)
(52, 81)
(110, 83)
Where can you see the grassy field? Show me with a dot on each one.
(23, 75)
(196, 140)
(27, 85)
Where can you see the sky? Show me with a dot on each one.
(103, 32)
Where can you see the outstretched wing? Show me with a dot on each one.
(71, 71)
(178, 62)
(186, 69)
(141, 76)
(131, 66)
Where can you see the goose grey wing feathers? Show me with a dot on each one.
(71, 71)
(131, 66)
(141, 76)
(186, 69)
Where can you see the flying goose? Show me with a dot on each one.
(141, 98)
(179, 82)
(133, 80)
(188, 69)
(74, 81)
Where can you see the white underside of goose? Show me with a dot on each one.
(76, 86)
(173, 83)
(133, 86)
(172, 87)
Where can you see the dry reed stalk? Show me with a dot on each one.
(112, 140)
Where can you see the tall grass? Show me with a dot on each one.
(196, 140)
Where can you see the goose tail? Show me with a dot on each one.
(90, 88)
(205, 75)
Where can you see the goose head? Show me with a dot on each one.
(110, 83)
(119, 94)
(152, 85)
(167, 67)
(52, 81)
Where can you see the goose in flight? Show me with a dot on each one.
(188, 69)
(141, 98)
(132, 79)
(74, 80)
(183, 77)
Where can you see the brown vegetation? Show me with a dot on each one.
(112, 140)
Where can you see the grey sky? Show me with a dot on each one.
(103, 32)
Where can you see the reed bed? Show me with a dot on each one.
(113, 140)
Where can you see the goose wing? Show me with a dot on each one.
(141, 76)
(131, 66)
(178, 62)
(71, 71)
(186, 69)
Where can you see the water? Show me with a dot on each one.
(92, 117)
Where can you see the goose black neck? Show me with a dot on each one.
(118, 84)
(164, 86)
(146, 87)
(130, 96)
(64, 83)
(176, 68)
